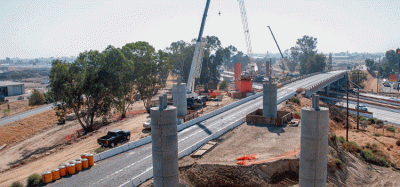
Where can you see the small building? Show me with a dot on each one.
(11, 88)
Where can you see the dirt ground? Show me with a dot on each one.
(15, 107)
(41, 145)
(270, 143)
(370, 84)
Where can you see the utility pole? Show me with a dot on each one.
(347, 90)
(358, 100)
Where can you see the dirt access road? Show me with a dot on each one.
(44, 150)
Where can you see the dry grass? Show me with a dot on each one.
(371, 83)
(15, 107)
(22, 129)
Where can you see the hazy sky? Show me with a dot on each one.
(44, 28)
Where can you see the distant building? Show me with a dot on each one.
(11, 88)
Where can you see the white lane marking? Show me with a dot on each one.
(123, 168)
(147, 169)
(151, 155)
(133, 152)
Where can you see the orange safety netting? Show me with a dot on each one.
(282, 156)
(248, 157)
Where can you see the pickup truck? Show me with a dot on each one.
(113, 137)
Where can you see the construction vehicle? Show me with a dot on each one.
(195, 68)
(283, 58)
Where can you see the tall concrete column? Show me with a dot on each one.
(164, 136)
(269, 100)
(314, 145)
(180, 98)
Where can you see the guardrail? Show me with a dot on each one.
(143, 141)
(147, 174)
(317, 86)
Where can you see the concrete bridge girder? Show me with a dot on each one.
(325, 84)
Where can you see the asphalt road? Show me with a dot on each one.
(25, 114)
(119, 170)
(382, 113)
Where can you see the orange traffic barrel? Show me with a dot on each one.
(84, 155)
(90, 158)
(71, 162)
(85, 163)
(46, 177)
(62, 170)
(71, 169)
(78, 166)
(55, 173)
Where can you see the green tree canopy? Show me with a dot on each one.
(148, 67)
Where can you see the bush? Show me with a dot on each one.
(295, 100)
(341, 139)
(366, 154)
(61, 120)
(379, 122)
(372, 158)
(363, 118)
(372, 120)
(34, 180)
(390, 128)
(36, 98)
(223, 85)
(17, 184)
(398, 142)
(377, 134)
(333, 137)
(352, 147)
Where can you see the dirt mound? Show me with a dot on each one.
(256, 175)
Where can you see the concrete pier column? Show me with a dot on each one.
(164, 136)
(180, 98)
(314, 145)
(269, 100)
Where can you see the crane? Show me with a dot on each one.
(243, 14)
(283, 59)
(195, 68)
(198, 55)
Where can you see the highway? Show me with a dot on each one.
(382, 113)
(25, 114)
(122, 169)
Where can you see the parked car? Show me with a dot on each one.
(362, 107)
(147, 124)
(114, 137)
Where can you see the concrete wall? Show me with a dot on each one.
(15, 90)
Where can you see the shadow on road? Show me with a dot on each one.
(204, 128)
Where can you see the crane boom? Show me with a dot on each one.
(275, 41)
(246, 32)
(198, 55)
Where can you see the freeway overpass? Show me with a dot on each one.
(134, 166)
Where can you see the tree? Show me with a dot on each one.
(358, 80)
(121, 78)
(240, 58)
(329, 63)
(370, 63)
(310, 61)
(307, 45)
(393, 60)
(148, 66)
(85, 83)
(294, 56)
(181, 54)
(209, 71)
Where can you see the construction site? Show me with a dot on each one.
(250, 123)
